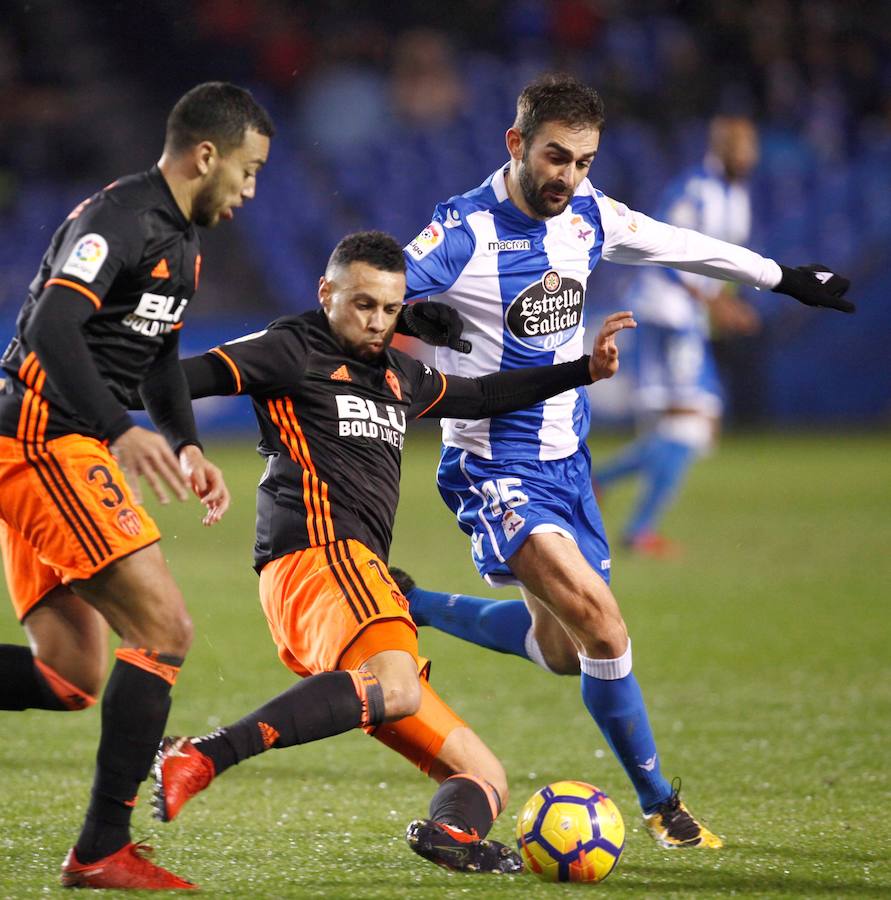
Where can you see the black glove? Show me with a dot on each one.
(433, 323)
(815, 285)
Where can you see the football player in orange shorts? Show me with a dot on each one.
(332, 400)
(101, 321)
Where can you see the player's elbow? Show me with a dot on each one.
(36, 336)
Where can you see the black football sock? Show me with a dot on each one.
(134, 713)
(21, 684)
(465, 802)
(317, 707)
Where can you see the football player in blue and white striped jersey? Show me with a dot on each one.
(679, 397)
(513, 258)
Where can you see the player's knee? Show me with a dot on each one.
(402, 697)
(601, 628)
(90, 682)
(171, 634)
(498, 779)
(562, 660)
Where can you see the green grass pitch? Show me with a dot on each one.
(764, 656)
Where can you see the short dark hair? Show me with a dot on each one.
(558, 98)
(215, 111)
(377, 248)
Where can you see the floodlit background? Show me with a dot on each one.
(383, 109)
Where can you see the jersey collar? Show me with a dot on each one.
(156, 177)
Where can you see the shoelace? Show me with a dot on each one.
(677, 821)
(142, 851)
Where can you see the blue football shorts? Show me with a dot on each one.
(676, 368)
(501, 503)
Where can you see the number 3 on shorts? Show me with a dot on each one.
(103, 477)
(503, 492)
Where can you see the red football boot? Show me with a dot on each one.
(127, 868)
(181, 771)
(654, 546)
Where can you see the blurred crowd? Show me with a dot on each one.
(384, 109)
(822, 68)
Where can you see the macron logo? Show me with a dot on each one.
(822, 277)
(509, 245)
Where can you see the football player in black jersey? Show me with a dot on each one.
(332, 401)
(100, 322)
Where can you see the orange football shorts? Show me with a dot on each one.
(66, 512)
(321, 603)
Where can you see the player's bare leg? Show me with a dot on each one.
(67, 660)
(550, 639)
(69, 635)
(552, 567)
(141, 602)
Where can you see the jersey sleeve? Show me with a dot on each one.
(165, 395)
(634, 239)
(454, 396)
(97, 244)
(266, 362)
(684, 210)
(427, 386)
(438, 255)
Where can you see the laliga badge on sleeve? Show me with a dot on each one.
(87, 257)
(429, 239)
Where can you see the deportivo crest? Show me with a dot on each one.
(546, 313)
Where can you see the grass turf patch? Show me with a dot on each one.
(762, 654)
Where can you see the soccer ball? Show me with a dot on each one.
(570, 831)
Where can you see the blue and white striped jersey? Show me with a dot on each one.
(703, 199)
(519, 284)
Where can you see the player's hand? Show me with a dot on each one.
(433, 323)
(206, 481)
(815, 285)
(604, 359)
(145, 454)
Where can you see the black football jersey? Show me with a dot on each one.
(332, 431)
(130, 252)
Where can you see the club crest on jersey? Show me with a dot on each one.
(429, 239)
(156, 314)
(87, 257)
(546, 313)
(393, 384)
(129, 522)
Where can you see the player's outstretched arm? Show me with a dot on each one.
(504, 392)
(816, 285)
(632, 238)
